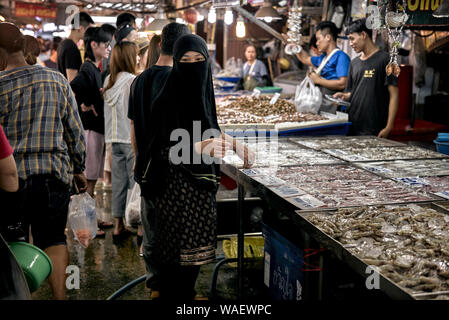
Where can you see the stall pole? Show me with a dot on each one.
(225, 44)
(240, 242)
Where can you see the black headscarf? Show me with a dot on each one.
(188, 96)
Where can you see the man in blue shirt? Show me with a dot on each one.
(333, 75)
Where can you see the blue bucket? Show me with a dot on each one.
(443, 137)
(442, 147)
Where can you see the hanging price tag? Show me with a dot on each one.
(275, 98)
(256, 93)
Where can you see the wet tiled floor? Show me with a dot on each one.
(104, 267)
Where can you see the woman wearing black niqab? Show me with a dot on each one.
(183, 194)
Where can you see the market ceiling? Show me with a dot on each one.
(135, 6)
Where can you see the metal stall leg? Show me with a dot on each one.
(240, 242)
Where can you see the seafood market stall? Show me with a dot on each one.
(399, 229)
(240, 113)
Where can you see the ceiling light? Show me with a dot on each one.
(159, 23)
(240, 28)
(228, 17)
(267, 13)
(212, 16)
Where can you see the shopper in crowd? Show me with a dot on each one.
(31, 50)
(87, 87)
(313, 45)
(124, 19)
(142, 52)
(126, 32)
(254, 73)
(39, 115)
(144, 91)
(373, 94)
(44, 50)
(117, 129)
(154, 50)
(9, 178)
(183, 195)
(331, 67)
(69, 56)
(109, 29)
(52, 63)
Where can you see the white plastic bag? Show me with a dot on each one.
(82, 218)
(132, 212)
(308, 97)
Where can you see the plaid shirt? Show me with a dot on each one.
(39, 115)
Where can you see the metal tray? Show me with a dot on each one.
(357, 264)
(386, 142)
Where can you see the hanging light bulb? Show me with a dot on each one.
(240, 28)
(229, 17)
(212, 16)
(268, 19)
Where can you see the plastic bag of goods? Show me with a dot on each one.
(132, 212)
(308, 97)
(82, 218)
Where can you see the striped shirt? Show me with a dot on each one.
(39, 115)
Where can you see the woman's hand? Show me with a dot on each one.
(248, 156)
(342, 95)
(215, 147)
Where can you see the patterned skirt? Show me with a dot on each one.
(186, 218)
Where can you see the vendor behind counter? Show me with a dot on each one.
(331, 67)
(253, 73)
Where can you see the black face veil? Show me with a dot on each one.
(196, 101)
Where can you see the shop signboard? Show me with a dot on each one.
(420, 13)
(34, 10)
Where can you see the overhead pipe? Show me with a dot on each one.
(258, 22)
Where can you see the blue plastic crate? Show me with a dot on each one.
(283, 263)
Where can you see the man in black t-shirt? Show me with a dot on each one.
(69, 56)
(143, 93)
(373, 94)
